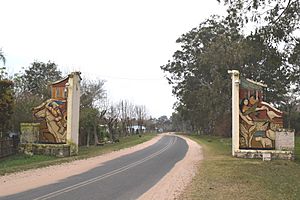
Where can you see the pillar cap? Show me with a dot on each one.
(233, 72)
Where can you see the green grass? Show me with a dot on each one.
(220, 176)
(297, 148)
(23, 162)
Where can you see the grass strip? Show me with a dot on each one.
(23, 162)
(220, 176)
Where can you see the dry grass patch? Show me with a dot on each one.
(220, 176)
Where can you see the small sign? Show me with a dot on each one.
(267, 156)
(285, 140)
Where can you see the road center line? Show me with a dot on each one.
(106, 175)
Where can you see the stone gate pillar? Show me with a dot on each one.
(235, 77)
(73, 103)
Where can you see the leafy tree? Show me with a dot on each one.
(275, 20)
(290, 106)
(294, 60)
(89, 121)
(23, 109)
(90, 116)
(31, 89)
(164, 123)
(36, 79)
(179, 123)
(2, 69)
(294, 120)
(6, 99)
(151, 124)
(198, 72)
(6, 105)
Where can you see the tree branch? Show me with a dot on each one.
(277, 19)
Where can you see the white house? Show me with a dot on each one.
(136, 128)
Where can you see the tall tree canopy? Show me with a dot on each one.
(276, 19)
(2, 69)
(198, 71)
(31, 89)
(6, 99)
(277, 22)
(6, 105)
(36, 78)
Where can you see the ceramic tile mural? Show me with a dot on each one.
(259, 120)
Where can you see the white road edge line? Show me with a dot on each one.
(98, 178)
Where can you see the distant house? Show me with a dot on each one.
(136, 129)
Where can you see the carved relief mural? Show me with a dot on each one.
(52, 115)
(258, 119)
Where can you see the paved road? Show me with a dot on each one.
(127, 177)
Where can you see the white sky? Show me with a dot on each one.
(124, 42)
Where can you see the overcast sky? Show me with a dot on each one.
(122, 41)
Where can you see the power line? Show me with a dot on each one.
(129, 78)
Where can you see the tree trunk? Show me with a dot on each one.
(95, 135)
(110, 130)
(88, 138)
(289, 118)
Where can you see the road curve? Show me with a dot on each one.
(127, 177)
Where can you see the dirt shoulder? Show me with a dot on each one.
(174, 183)
(26, 180)
(169, 187)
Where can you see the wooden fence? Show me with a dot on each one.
(8, 146)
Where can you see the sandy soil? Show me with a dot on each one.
(168, 188)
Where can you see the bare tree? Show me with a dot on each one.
(122, 107)
(141, 114)
(111, 119)
(131, 116)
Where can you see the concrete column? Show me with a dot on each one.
(73, 104)
(235, 109)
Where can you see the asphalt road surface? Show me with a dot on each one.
(127, 177)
